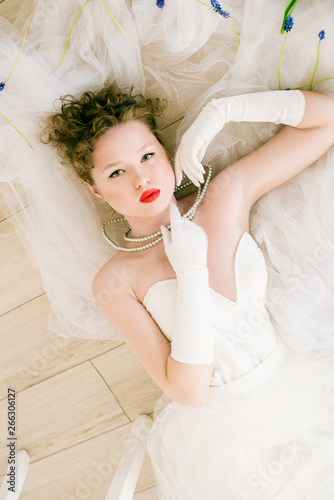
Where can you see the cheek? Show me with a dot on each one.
(169, 172)
(172, 178)
(168, 180)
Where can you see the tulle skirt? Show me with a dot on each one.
(274, 441)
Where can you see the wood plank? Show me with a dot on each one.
(30, 353)
(84, 471)
(128, 380)
(20, 282)
(3, 208)
(8, 200)
(149, 494)
(61, 412)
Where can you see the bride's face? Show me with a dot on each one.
(129, 161)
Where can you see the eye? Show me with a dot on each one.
(116, 173)
(147, 156)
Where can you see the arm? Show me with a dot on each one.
(310, 116)
(286, 107)
(289, 152)
(185, 383)
(183, 368)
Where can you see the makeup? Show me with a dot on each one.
(150, 195)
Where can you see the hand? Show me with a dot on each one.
(186, 249)
(193, 146)
(285, 107)
(186, 245)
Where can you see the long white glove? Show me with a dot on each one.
(282, 106)
(186, 248)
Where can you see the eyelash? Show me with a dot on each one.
(148, 154)
(112, 176)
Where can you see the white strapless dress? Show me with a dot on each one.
(267, 430)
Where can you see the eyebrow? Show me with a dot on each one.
(116, 163)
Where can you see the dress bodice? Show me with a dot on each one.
(243, 333)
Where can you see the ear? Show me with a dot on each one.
(92, 188)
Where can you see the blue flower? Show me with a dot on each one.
(217, 7)
(160, 4)
(321, 35)
(288, 24)
(2, 86)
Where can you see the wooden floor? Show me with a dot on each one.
(76, 398)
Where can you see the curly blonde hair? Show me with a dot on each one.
(81, 121)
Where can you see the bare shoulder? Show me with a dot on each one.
(112, 288)
(114, 294)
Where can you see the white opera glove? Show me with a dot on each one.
(281, 106)
(186, 248)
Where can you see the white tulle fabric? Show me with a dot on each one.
(166, 53)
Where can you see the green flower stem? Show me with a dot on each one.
(208, 5)
(17, 130)
(69, 36)
(120, 27)
(235, 33)
(317, 81)
(10, 123)
(316, 65)
(173, 123)
(24, 39)
(279, 65)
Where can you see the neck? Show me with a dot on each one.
(144, 227)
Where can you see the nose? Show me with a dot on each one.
(141, 178)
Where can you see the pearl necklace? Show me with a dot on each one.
(158, 235)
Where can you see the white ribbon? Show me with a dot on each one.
(21, 469)
(125, 479)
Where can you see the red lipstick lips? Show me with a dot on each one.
(150, 195)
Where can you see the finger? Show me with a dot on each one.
(194, 179)
(195, 163)
(195, 167)
(201, 152)
(199, 177)
(167, 241)
(175, 215)
(178, 169)
(178, 175)
(165, 234)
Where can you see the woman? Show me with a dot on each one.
(256, 437)
(198, 302)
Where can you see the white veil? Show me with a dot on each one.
(165, 53)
